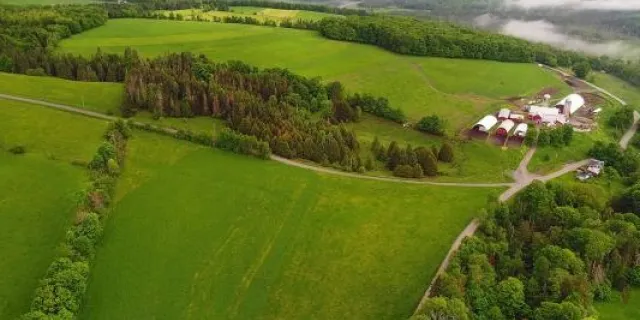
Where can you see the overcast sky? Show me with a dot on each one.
(580, 4)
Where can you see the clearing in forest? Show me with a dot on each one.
(459, 91)
(37, 193)
(202, 234)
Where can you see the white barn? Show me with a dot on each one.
(505, 127)
(570, 104)
(521, 130)
(486, 123)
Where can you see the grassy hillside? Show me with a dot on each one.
(53, 134)
(36, 207)
(420, 86)
(37, 193)
(618, 87)
(617, 310)
(248, 239)
(97, 96)
(261, 14)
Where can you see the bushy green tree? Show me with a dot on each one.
(446, 153)
(432, 124)
(582, 69)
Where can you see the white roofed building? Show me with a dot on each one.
(486, 123)
(570, 104)
(505, 127)
(521, 130)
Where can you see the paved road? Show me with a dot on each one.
(626, 138)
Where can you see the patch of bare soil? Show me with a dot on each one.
(548, 90)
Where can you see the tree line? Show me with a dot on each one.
(60, 293)
(548, 254)
(150, 5)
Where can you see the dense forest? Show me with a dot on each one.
(549, 254)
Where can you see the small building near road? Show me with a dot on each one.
(593, 169)
(504, 114)
(485, 124)
(521, 130)
(505, 127)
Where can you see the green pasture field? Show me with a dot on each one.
(624, 90)
(408, 82)
(488, 78)
(261, 14)
(37, 193)
(54, 134)
(37, 197)
(617, 310)
(96, 96)
(202, 234)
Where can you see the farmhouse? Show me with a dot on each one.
(521, 130)
(485, 124)
(570, 104)
(505, 127)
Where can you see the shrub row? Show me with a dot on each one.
(228, 140)
(242, 144)
(60, 293)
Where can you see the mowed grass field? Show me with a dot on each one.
(624, 90)
(37, 193)
(262, 14)
(202, 234)
(460, 91)
(97, 96)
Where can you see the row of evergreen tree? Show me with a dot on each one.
(410, 162)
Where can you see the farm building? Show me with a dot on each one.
(504, 114)
(505, 127)
(485, 124)
(570, 104)
(543, 114)
(517, 118)
(521, 130)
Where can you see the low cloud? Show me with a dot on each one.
(578, 4)
(545, 32)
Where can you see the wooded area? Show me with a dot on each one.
(548, 254)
